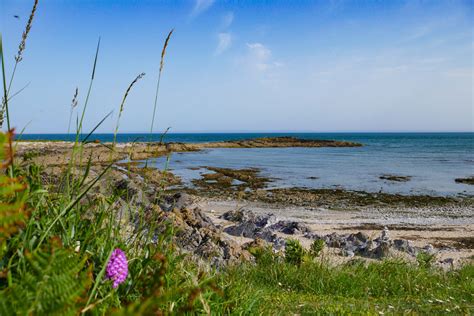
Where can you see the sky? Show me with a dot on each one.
(245, 66)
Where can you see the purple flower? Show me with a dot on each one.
(117, 268)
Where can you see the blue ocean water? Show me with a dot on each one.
(433, 160)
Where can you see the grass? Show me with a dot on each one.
(274, 287)
(56, 241)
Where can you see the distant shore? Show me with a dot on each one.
(56, 152)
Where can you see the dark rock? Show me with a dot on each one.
(241, 215)
(266, 235)
(126, 188)
(182, 200)
(313, 236)
(429, 249)
(196, 233)
(178, 200)
(334, 240)
(381, 251)
(401, 245)
(245, 229)
(267, 220)
(469, 180)
(448, 261)
(395, 178)
(290, 227)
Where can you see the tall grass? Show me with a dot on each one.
(140, 76)
(157, 90)
(54, 256)
(73, 106)
(18, 59)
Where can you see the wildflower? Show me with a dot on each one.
(117, 268)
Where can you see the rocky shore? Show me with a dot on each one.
(58, 152)
(224, 230)
(228, 212)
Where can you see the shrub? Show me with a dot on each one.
(294, 252)
(425, 259)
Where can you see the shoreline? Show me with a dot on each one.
(446, 223)
(452, 238)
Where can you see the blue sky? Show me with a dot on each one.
(247, 65)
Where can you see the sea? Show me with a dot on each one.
(432, 160)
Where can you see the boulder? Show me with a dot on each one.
(290, 227)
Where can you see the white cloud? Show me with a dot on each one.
(260, 57)
(200, 6)
(225, 40)
(227, 20)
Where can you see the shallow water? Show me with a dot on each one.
(433, 160)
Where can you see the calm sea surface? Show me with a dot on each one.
(433, 160)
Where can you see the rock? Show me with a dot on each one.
(358, 238)
(245, 229)
(313, 236)
(348, 253)
(197, 234)
(279, 243)
(448, 261)
(241, 215)
(178, 200)
(182, 200)
(290, 227)
(266, 235)
(429, 249)
(395, 178)
(381, 251)
(385, 235)
(334, 240)
(403, 245)
(126, 187)
(257, 243)
(468, 180)
(267, 221)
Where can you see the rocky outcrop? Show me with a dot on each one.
(275, 142)
(395, 178)
(360, 244)
(194, 232)
(468, 180)
(247, 224)
(197, 234)
(58, 153)
(265, 228)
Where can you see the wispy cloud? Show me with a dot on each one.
(260, 57)
(225, 41)
(227, 20)
(200, 6)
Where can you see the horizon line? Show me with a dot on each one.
(257, 132)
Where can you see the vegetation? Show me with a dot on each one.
(60, 247)
(275, 287)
